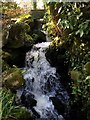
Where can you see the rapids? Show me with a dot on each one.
(43, 82)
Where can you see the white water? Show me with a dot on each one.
(43, 81)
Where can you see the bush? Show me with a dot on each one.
(9, 110)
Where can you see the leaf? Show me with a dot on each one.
(88, 77)
(59, 10)
(81, 33)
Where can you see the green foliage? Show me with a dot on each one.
(71, 45)
(84, 28)
(7, 103)
(5, 66)
(72, 19)
(80, 90)
(80, 74)
(49, 26)
(9, 110)
(69, 17)
(23, 17)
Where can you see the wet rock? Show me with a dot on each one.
(28, 100)
(59, 106)
(17, 43)
(13, 78)
(39, 36)
(29, 59)
(35, 113)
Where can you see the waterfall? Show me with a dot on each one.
(43, 83)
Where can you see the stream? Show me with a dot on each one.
(43, 93)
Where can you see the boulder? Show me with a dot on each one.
(39, 36)
(18, 35)
(59, 106)
(13, 78)
(28, 100)
(75, 75)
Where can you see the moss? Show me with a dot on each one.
(6, 55)
(5, 66)
(39, 36)
(18, 35)
(35, 37)
(13, 78)
(28, 40)
(75, 75)
(24, 114)
(26, 27)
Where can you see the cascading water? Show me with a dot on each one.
(42, 82)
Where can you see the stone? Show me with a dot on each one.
(18, 35)
(39, 36)
(59, 106)
(27, 99)
(13, 78)
(75, 75)
(35, 113)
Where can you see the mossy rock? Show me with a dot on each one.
(24, 114)
(39, 36)
(18, 35)
(75, 75)
(29, 41)
(17, 28)
(87, 67)
(13, 78)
